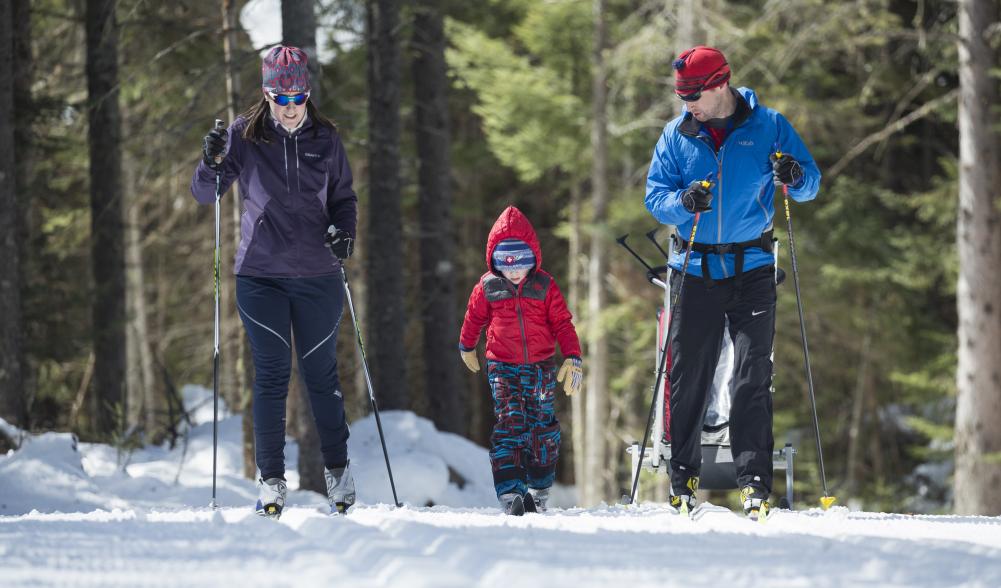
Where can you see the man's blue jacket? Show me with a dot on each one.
(743, 192)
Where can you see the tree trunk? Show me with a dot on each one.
(230, 330)
(858, 405)
(299, 30)
(12, 398)
(23, 156)
(597, 467)
(302, 427)
(233, 333)
(978, 234)
(578, 402)
(386, 316)
(141, 381)
(247, 410)
(446, 401)
(107, 232)
(687, 34)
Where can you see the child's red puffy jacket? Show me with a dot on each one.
(523, 322)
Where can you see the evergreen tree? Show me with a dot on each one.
(106, 221)
(383, 240)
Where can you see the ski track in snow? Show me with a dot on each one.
(150, 533)
(440, 546)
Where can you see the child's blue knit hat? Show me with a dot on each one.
(513, 254)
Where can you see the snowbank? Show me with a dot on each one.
(52, 473)
(429, 467)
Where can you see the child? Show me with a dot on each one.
(525, 316)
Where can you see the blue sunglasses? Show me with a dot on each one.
(283, 100)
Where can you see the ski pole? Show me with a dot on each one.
(826, 500)
(663, 355)
(219, 126)
(368, 382)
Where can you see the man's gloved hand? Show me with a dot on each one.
(214, 147)
(785, 169)
(571, 374)
(469, 358)
(698, 196)
(340, 242)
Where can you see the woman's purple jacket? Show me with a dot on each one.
(293, 188)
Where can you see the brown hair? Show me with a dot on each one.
(257, 116)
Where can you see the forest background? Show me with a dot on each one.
(452, 110)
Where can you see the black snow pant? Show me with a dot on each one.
(696, 335)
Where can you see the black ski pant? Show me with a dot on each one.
(696, 334)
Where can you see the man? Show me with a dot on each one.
(718, 165)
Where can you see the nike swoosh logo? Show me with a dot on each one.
(753, 313)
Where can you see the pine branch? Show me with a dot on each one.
(889, 130)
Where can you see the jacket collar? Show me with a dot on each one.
(304, 124)
(691, 126)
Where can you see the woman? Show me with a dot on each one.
(298, 224)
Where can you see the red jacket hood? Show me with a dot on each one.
(513, 224)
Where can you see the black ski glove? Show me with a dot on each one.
(340, 242)
(697, 197)
(785, 169)
(214, 147)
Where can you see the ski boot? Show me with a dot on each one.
(340, 488)
(271, 497)
(540, 496)
(683, 499)
(755, 501)
(513, 503)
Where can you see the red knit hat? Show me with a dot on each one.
(284, 70)
(699, 68)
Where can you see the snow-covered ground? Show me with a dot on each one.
(71, 515)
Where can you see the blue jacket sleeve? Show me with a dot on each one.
(203, 182)
(664, 185)
(342, 202)
(789, 142)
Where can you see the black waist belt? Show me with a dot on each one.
(764, 242)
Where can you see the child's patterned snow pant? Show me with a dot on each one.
(525, 443)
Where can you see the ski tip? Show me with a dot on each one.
(339, 508)
(269, 511)
(827, 501)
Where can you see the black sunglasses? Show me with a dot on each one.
(694, 96)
